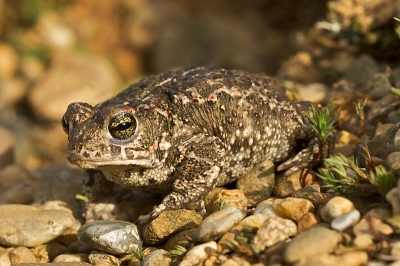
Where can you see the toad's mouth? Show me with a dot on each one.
(92, 164)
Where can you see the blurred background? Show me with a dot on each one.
(53, 53)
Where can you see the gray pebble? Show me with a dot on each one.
(218, 223)
(115, 237)
(346, 220)
(393, 162)
(29, 226)
(379, 85)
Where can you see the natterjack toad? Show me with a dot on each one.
(183, 133)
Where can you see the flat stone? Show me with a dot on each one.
(169, 223)
(77, 257)
(292, 208)
(218, 223)
(313, 242)
(257, 185)
(28, 226)
(115, 237)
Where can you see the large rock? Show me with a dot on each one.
(22, 225)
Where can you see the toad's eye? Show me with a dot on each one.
(122, 126)
(65, 124)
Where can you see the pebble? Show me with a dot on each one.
(286, 185)
(218, 223)
(57, 264)
(393, 162)
(346, 220)
(307, 221)
(274, 230)
(158, 257)
(372, 227)
(314, 92)
(49, 251)
(98, 258)
(115, 237)
(265, 209)
(198, 254)
(180, 237)
(384, 144)
(335, 207)
(292, 208)
(11, 176)
(5, 256)
(313, 194)
(6, 148)
(12, 91)
(379, 85)
(210, 198)
(257, 185)
(29, 226)
(77, 257)
(169, 223)
(61, 183)
(8, 62)
(352, 258)
(22, 255)
(374, 114)
(393, 198)
(312, 242)
(361, 71)
(231, 197)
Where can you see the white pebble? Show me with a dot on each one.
(346, 220)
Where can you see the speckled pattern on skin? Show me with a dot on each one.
(182, 133)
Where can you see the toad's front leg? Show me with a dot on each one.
(197, 174)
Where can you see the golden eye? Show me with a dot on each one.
(122, 126)
(65, 124)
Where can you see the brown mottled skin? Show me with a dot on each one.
(183, 133)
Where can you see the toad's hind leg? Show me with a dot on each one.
(195, 177)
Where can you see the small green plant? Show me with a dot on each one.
(242, 243)
(361, 115)
(138, 253)
(82, 197)
(323, 121)
(341, 175)
(178, 251)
